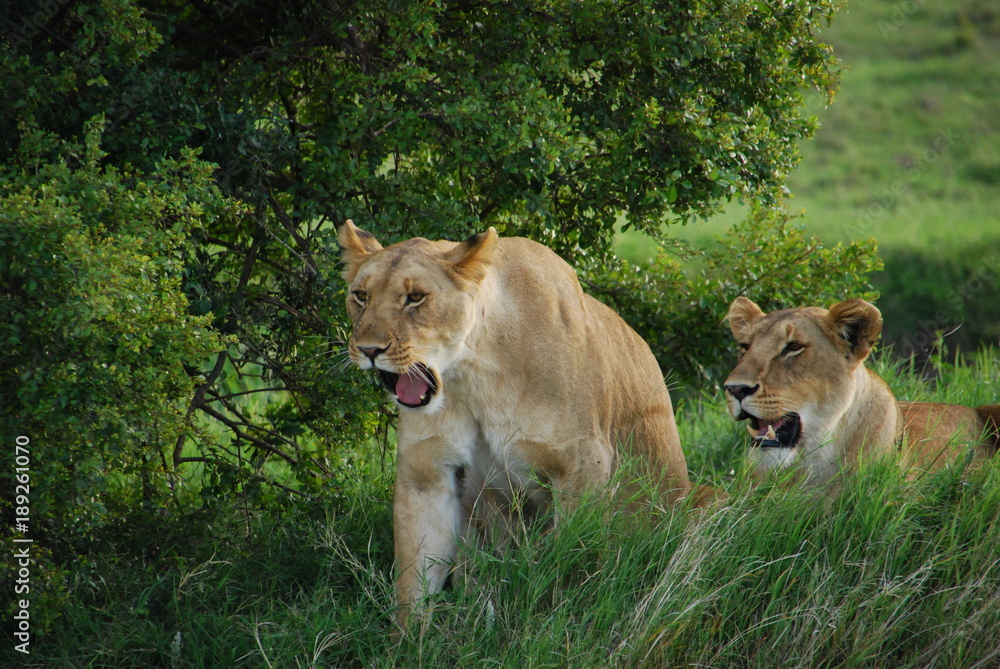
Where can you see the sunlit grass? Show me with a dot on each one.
(907, 151)
(886, 572)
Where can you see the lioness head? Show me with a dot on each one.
(797, 375)
(412, 305)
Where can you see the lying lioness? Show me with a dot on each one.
(510, 381)
(811, 403)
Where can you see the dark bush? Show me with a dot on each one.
(174, 174)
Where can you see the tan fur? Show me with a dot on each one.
(936, 434)
(538, 386)
(810, 362)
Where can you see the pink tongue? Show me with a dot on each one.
(765, 424)
(410, 388)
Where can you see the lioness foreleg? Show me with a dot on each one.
(426, 524)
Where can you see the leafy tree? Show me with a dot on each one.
(98, 345)
(174, 173)
(678, 307)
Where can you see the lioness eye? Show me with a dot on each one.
(360, 296)
(792, 347)
(415, 298)
(744, 347)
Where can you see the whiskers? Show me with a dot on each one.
(420, 371)
(773, 405)
(790, 405)
(341, 360)
(335, 357)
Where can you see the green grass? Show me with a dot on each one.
(889, 573)
(914, 128)
(908, 153)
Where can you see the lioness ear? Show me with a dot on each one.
(471, 258)
(858, 323)
(742, 314)
(357, 245)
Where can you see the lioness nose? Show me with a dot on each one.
(372, 352)
(741, 391)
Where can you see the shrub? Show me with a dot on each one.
(97, 338)
(175, 173)
(679, 309)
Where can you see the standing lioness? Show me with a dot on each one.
(810, 403)
(511, 382)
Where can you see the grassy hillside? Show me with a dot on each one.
(908, 153)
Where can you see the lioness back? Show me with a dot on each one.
(593, 350)
(936, 434)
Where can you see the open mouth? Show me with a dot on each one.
(414, 389)
(781, 433)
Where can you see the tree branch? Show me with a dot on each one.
(235, 427)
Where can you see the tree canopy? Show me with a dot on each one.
(174, 173)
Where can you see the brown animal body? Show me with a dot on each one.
(936, 434)
(811, 404)
(511, 383)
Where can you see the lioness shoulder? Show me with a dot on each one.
(511, 383)
(811, 403)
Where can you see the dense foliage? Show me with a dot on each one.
(174, 173)
(679, 307)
